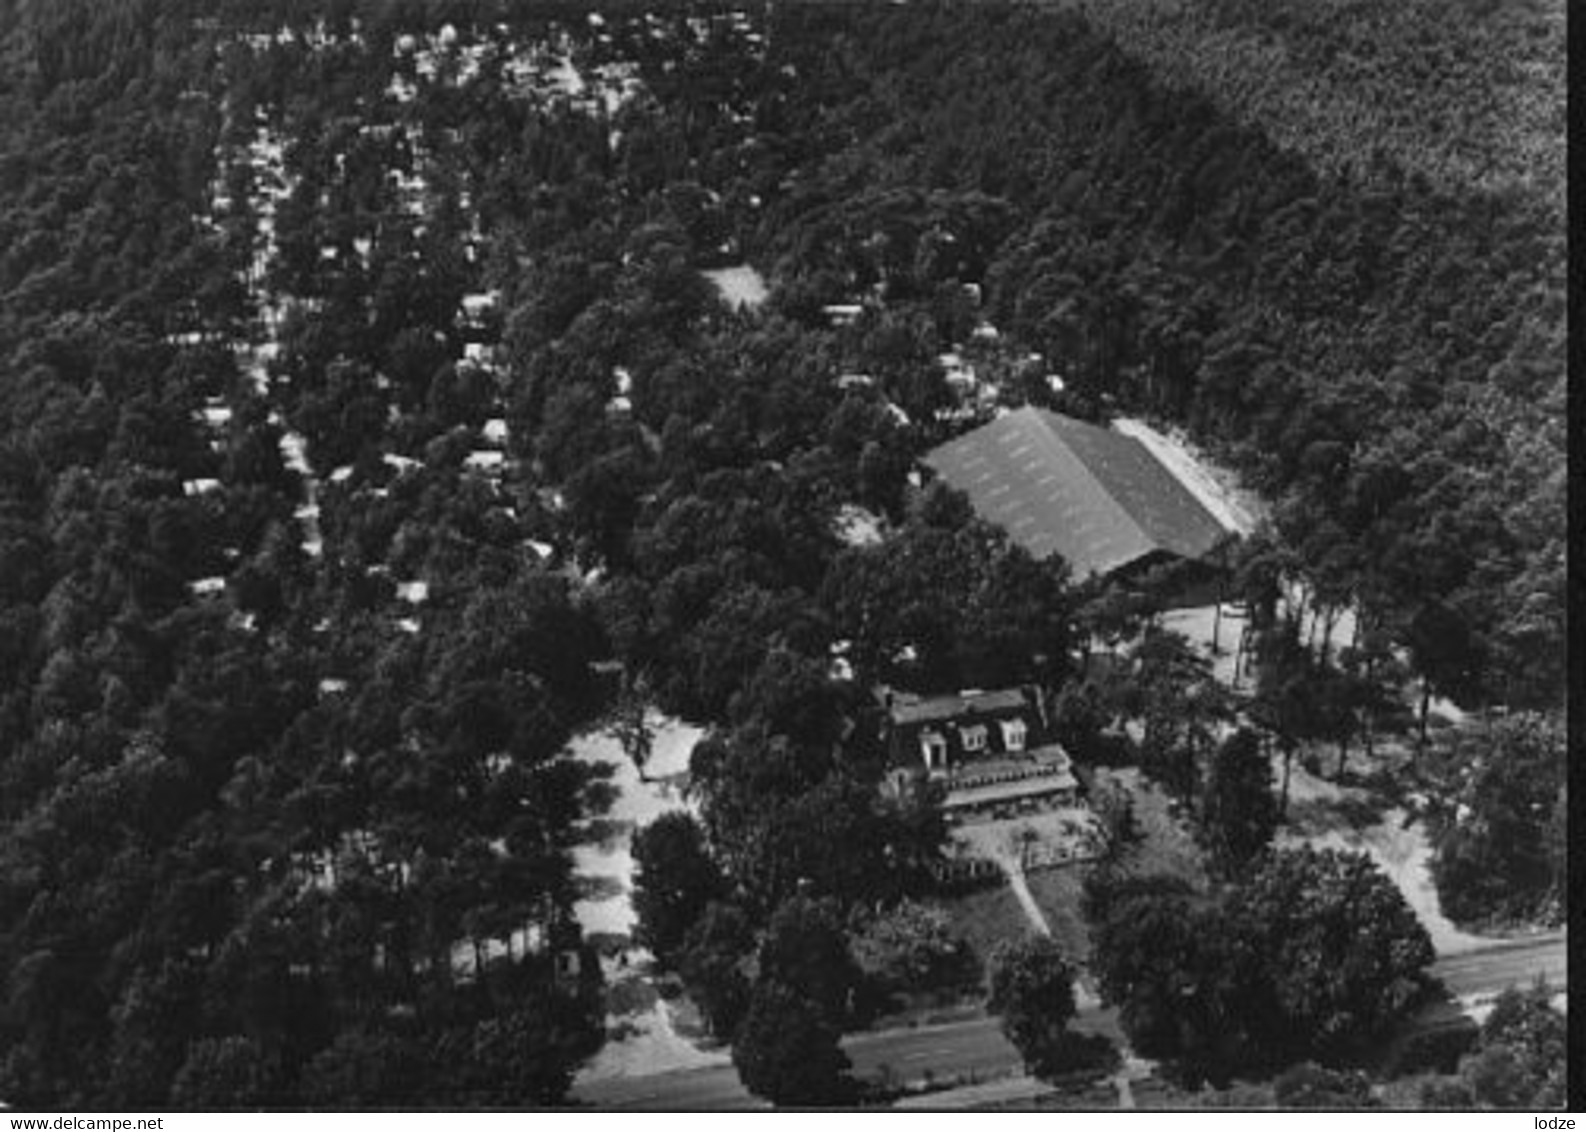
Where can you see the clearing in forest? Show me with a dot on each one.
(739, 286)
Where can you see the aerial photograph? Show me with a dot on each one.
(974, 556)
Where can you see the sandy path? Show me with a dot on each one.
(651, 1043)
(654, 1046)
(995, 842)
(1400, 849)
(1021, 892)
(610, 862)
(1404, 854)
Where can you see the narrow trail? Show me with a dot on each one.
(1401, 849)
(1021, 892)
(1084, 999)
(1130, 1069)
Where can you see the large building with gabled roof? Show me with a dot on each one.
(1098, 498)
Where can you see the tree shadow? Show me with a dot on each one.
(1431, 1040)
(631, 996)
(1358, 811)
(606, 833)
(597, 889)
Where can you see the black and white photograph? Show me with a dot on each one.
(967, 556)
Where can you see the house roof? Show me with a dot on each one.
(1008, 790)
(906, 709)
(1096, 497)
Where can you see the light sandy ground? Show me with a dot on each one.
(740, 286)
(1401, 851)
(1130, 1070)
(1477, 1007)
(652, 1044)
(638, 803)
(653, 1047)
(1198, 624)
(999, 839)
(857, 526)
(673, 743)
(267, 157)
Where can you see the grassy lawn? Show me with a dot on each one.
(1057, 893)
(1165, 845)
(987, 918)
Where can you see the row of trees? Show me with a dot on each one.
(1501, 843)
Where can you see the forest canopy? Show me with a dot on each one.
(364, 405)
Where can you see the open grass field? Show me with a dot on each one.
(1165, 845)
(1057, 894)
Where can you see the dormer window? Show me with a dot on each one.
(934, 748)
(1013, 733)
(973, 737)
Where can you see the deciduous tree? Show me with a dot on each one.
(786, 1050)
(1032, 994)
(674, 880)
(1239, 811)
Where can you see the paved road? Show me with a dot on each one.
(955, 1049)
(977, 1047)
(689, 1090)
(1491, 969)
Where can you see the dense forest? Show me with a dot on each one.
(1466, 93)
(368, 426)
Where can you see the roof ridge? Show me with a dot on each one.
(1057, 485)
(1047, 420)
(1125, 495)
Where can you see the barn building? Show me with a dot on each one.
(1098, 498)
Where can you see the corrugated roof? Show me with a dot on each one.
(1098, 498)
(989, 794)
(907, 709)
